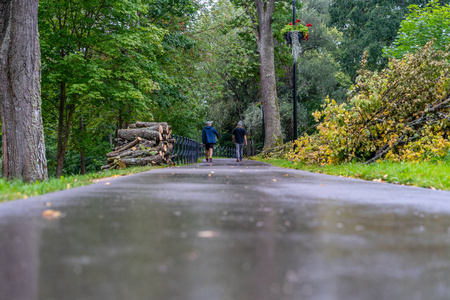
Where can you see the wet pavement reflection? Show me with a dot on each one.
(228, 231)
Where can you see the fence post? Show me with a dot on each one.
(191, 159)
(188, 150)
(176, 148)
(186, 145)
(184, 151)
(199, 151)
(181, 150)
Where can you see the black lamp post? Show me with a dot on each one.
(295, 80)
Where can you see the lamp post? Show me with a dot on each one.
(295, 80)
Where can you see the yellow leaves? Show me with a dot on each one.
(381, 110)
(50, 214)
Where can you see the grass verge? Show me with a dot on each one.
(17, 189)
(434, 175)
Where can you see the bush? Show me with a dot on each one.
(401, 113)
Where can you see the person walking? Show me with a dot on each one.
(239, 139)
(209, 134)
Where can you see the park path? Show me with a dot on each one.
(226, 231)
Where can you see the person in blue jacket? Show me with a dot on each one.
(209, 134)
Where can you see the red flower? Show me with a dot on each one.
(297, 21)
(290, 23)
(309, 25)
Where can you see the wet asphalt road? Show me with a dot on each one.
(228, 232)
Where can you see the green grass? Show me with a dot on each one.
(435, 175)
(16, 189)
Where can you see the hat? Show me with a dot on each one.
(240, 123)
(208, 122)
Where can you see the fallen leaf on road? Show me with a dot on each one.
(208, 234)
(274, 180)
(51, 214)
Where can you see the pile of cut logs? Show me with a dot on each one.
(143, 143)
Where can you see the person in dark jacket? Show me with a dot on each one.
(239, 139)
(209, 134)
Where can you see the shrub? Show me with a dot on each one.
(400, 113)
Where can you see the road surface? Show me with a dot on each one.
(225, 231)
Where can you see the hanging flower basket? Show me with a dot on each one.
(301, 30)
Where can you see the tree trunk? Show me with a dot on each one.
(64, 123)
(23, 145)
(132, 134)
(264, 37)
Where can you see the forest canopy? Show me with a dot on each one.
(109, 63)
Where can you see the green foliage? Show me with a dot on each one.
(400, 113)
(98, 63)
(421, 26)
(119, 61)
(367, 26)
(107, 44)
(225, 77)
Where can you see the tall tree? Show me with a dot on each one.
(260, 13)
(264, 38)
(23, 148)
